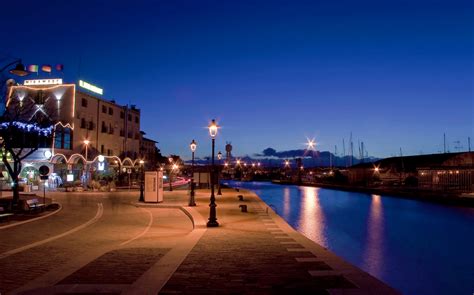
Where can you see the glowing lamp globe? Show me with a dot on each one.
(213, 128)
(193, 145)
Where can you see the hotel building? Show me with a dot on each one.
(88, 128)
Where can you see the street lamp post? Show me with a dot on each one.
(193, 146)
(219, 157)
(170, 159)
(86, 142)
(19, 69)
(212, 213)
(142, 197)
(86, 177)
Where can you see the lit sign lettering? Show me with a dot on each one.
(70, 177)
(43, 82)
(91, 87)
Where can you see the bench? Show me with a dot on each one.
(4, 215)
(243, 208)
(241, 198)
(34, 205)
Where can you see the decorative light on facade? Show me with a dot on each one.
(47, 154)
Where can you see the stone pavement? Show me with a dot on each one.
(259, 253)
(136, 248)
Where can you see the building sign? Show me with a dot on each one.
(43, 82)
(91, 87)
(70, 177)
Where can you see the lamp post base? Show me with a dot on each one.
(192, 203)
(212, 216)
(212, 223)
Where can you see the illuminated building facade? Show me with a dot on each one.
(80, 116)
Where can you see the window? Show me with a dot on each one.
(111, 111)
(63, 138)
(102, 149)
(122, 133)
(67, 138)
(129, 117)
(58, 140)
(137, 136)
(122, 115)
(109, 152)
(104, 109)
(111, 129)
(91, 125)
(130, 134)
(104, 127)
(83, 123)
(84, 102)
(136, 119)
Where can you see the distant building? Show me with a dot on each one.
(447, 172)
(148, 152)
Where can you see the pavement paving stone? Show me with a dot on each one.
(264, 265)
(122, 266)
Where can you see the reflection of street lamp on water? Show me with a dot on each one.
(193, 146)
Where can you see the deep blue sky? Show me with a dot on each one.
(395, 73)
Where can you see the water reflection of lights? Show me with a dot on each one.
(312, 221)
(373, 256)
(286, 202)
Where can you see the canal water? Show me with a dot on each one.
(415, 247)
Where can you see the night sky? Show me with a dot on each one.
(394, 73)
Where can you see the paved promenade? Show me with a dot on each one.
(108, 243)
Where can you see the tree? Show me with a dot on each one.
(25, 126)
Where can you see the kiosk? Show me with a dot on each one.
(154, 186)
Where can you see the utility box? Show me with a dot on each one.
(153, 186)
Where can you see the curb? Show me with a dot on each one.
(33, 219)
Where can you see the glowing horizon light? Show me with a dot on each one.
(311, 143)
(91, 87)
(43, 82)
